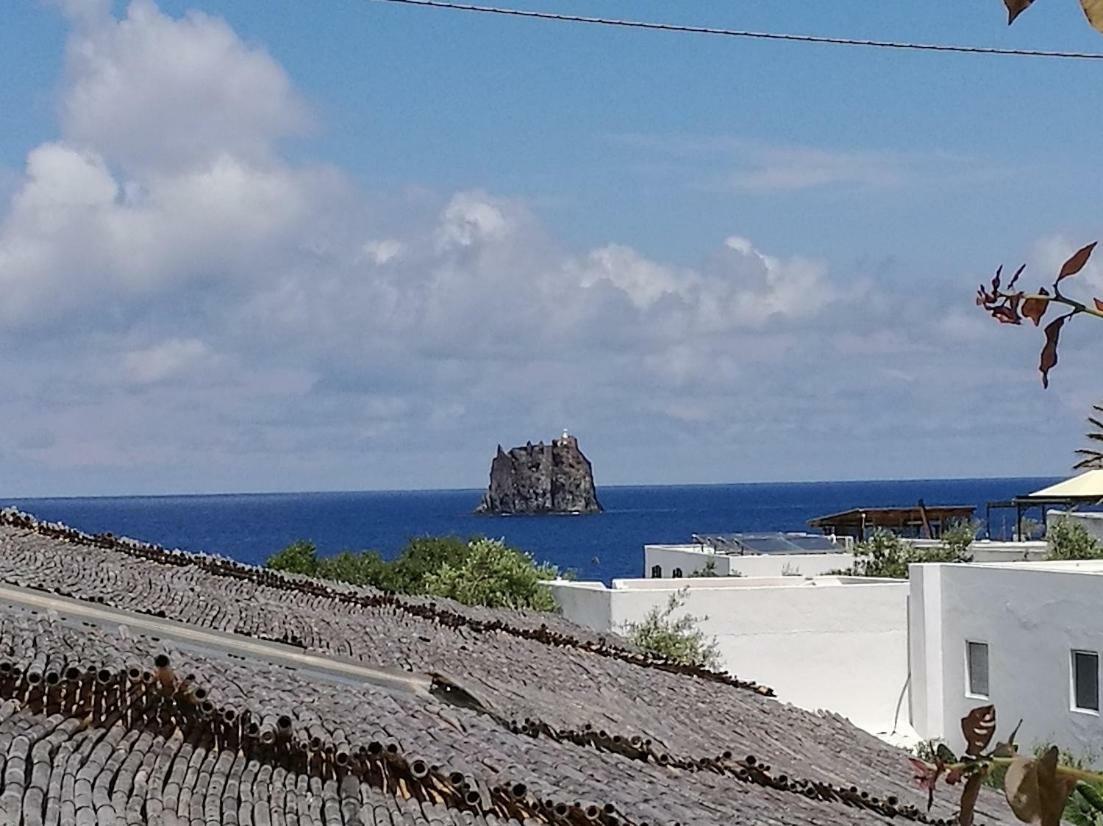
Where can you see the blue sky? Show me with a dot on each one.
(346, 245)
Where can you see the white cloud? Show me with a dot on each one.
(151, 91)
(166, 360)
(736, 164)
(163, 246)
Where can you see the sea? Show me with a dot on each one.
(249, 527)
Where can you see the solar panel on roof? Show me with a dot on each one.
(767, 543)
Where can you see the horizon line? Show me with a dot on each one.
(624, 485)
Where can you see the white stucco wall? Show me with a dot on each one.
(691, 559)
(987, 550)
(1032, 615)
(826, 643)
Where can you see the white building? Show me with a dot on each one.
(1025, 636)
(835, 643)
(774, 554)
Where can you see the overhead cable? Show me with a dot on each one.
(750, 35)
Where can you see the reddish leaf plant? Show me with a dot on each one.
(1010, 306)
(1036, 788)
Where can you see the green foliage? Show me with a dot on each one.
(678, 640)
(494, 575)
(708, 570)
(1069, 540)
(367, 568)
(422, 556)
(958, 536)
(297, 558)
(476, 572)
(886, 555)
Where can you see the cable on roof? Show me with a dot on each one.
(751, 35)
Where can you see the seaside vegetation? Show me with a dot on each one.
(886, 555)
(676, 639)
(1070, 540)
(477, 571)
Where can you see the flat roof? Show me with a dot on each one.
(769, 543)
(872, 514)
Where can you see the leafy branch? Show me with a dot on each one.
(1036, 788)
(1010, 306)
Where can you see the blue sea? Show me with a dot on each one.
(249, 527)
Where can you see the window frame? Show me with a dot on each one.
(969, 688)
(1073, 706)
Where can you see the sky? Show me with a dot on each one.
(348, 245)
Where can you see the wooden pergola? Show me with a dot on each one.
(1083, 490)
(920, 521)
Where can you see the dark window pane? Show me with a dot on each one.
(1085, 674)
(656, 571)
(977, 657)
(677, 573)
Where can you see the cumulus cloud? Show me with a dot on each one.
(164, 248)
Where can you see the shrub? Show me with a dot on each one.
(422, 556)
(678, 640)
(299, 557)
(494, 575)
(1069, 540)
(886, 555)
(476, 572)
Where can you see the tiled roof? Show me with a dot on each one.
(526, 718)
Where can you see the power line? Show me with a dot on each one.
(751, 35)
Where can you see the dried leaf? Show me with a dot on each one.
(978, 726)
(1005, 314)
(1054, 787)
(996, 279)
(1098, 304)
(1077, 262)
(1049, 352)
(945, 754)
(1094, 11)
(1015, 277)
(1020, 787)
(1015, 8)
(1035, 308)
(969, 795)
(1008, 749)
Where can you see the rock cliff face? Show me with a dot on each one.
(555, 478)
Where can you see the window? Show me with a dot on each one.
(1085, 681)
(677, 573)
(976, 667)
(656, 571)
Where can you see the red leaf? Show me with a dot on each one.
(978, 726)
(1035, 308)
(1098, 304)
(1077, 262)
(1015, 8)
(1049, 351)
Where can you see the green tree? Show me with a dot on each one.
(422, 556)
(299, 557)
(364, 568)
(1069, 540)
(887, 555)
(676, 639)
(494, 575)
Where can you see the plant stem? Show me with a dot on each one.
(1069, 771)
